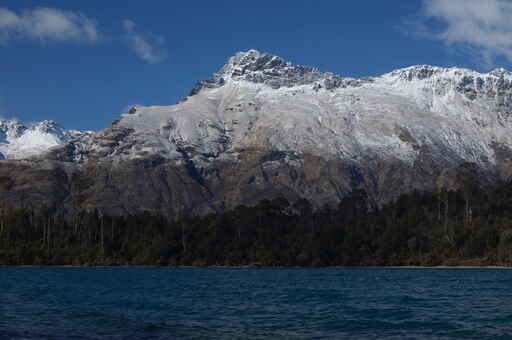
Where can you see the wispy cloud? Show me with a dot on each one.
(47, 24)
(481, 28)
(148, 47)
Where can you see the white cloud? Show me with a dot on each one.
(481, 27)
(47, 24)
(148, 47)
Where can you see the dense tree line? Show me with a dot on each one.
(471, 226)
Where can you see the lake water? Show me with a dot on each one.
(164, 303)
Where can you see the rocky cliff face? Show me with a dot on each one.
(263, 127)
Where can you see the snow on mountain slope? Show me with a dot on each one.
(262, 128)
(22, 141)
(261, 101)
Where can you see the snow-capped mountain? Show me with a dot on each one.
(22, 141)
(261, 101)
(263, 127)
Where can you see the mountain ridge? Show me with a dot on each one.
(251, 65)
(216, 125)
(262, 127)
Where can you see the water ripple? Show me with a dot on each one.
(162, 303)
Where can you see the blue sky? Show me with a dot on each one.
(82, 62)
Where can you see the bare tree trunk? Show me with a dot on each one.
(2, 216)
(102, 236)
(182, 225)
(183, 241)
(48, 236)
(446, 208)
(438, 206)
(466, 210)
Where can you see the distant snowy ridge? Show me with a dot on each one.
(21, 141)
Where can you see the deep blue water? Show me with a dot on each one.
(162, 303)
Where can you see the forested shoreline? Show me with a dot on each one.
(470, 226)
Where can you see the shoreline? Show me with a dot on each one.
(259, 267)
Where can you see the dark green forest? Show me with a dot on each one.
(470, 226)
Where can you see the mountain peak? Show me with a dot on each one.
(19, 140)
(271, 70)
(250, 61)
(268, 69)
(47, 125)
(499, 72)
(421, 72)
(244, 56)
